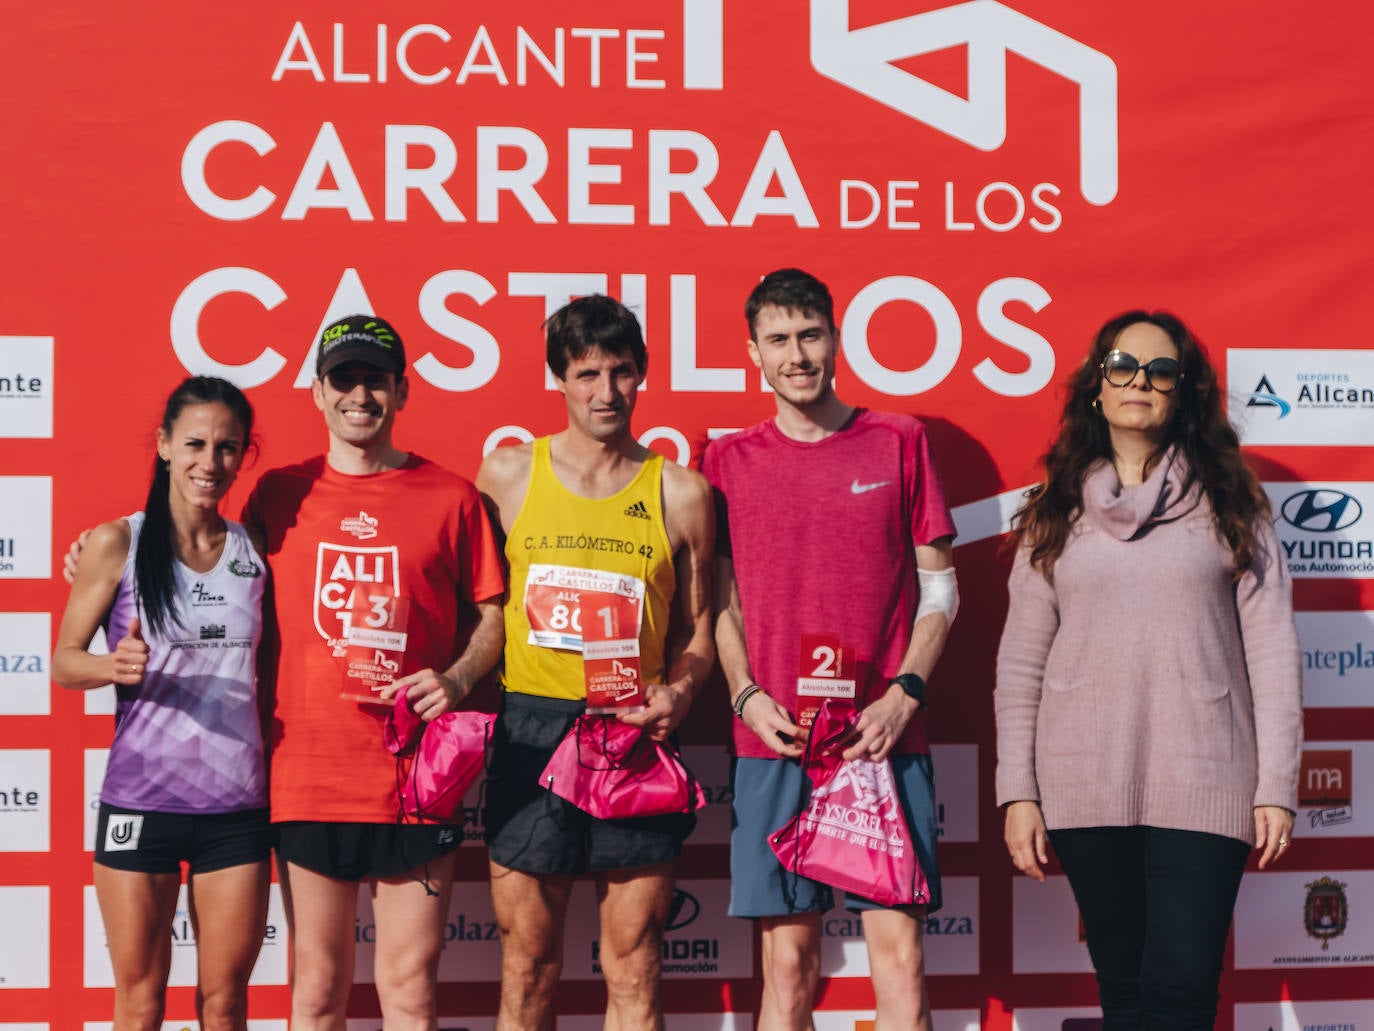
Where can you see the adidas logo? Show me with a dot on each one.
(638, 510)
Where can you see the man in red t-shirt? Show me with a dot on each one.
(829, 518)
(384, 565)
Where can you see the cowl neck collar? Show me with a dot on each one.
(1124, 511)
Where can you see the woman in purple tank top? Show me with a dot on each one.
(178, 589)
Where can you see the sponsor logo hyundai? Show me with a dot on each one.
(1321, 511)
(1324, 528)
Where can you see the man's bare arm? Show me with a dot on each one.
(882, 722)
(691, 528)
(761, 714)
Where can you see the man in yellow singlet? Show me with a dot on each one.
(584, 505)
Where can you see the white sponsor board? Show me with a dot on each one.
(1044, 928)
(25, 799)
(445, 1023)
(956, 791)
(1333, 790)
(25, 527)
(951, 935)
(1301, 395)
(1326, 529)
(24, 955)
(1056, 1018)
(702, 942)
(270, 967)
(94, 762)
(673, 1022)
(710, 764)
(1293, 1015)
(862, 1020)
(472, 948)
(26, 387)
(1337, 659)
(188, 1025)
(1310, 918)
(25, 684)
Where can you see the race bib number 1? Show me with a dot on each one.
(374, 642)
(610, 652)
(555, 609)
(827, 669)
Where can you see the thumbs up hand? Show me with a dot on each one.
(130, 656)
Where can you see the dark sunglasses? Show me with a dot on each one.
(1162, 374)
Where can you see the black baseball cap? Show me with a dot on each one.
(360, 338)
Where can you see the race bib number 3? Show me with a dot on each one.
(554, 608)
(610, 652)
(374, 642)
(826, 669)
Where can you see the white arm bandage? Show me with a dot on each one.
(939, 593)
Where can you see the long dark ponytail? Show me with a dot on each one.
(154, 576)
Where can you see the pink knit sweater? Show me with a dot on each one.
(1140, 685)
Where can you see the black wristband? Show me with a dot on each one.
(913, 687)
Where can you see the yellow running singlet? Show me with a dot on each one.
(562, 543)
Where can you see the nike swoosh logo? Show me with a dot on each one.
(863, 488)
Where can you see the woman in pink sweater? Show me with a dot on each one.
(1149, 710)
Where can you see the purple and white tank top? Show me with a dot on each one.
(188, 739)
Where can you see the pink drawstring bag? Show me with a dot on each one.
(613, 770)
(852, 834)
(436, 762)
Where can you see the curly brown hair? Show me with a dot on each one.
(1198, 428)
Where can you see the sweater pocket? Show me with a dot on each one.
(1204, 727)
(1068, 717)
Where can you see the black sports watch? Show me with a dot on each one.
(913, 686)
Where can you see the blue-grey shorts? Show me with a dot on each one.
(768, 793)
(532, 830)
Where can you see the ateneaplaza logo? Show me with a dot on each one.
(26, 390)
(1326, 911)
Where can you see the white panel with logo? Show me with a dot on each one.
(445, 1024)
(1301, 396)
(26, 387)
(701, 942)
(25, 527)
(94, 762)
(956, 791)
(862, 1020)
(1332, 790)
(951, 935)
(1312, 918)
(270, 968)
(710, 764)
(1044, 928)
(1337, 659)
(24, 946)
(1326, 529)
(673, 1022)
(25, 684)
(1056, 1018)
(1307, 1015)
(25, 799)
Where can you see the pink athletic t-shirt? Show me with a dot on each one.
(823, 537)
